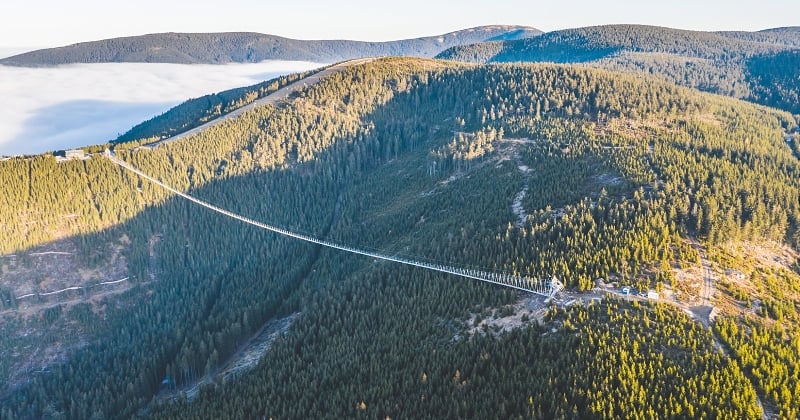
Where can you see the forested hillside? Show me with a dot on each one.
(197, 111)
(789, 36)
(593, 42)
(242, 47)
(537, 170)
(738, 64)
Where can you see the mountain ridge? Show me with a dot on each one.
(249, 47)
(638, 38)
(755, 66)
(614, 174)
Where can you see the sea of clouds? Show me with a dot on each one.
(54, 108)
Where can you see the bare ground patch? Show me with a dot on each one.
(59, 300)
(752, 273)
(630, 128)
(241, 362)
(527, 310)
(58, 266)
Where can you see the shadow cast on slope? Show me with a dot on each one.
(219, 280)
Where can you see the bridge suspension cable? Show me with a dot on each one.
(547, 288)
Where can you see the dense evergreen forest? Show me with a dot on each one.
(246, 47)
(197, 111)
(758, 66)
(789, 36)
(424, 159)
(593, 42)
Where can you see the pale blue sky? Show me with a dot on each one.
(42, 23)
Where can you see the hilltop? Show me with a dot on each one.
(595, 42)
(597, 177)
(758, 66)
(786, 36)
(248, 47)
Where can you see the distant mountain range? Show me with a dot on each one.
(761, 66)
(248, 47)
(596, 42)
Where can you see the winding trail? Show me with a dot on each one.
(703, 311)
(517, 206)
(56, 292)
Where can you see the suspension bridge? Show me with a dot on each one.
(547, 287)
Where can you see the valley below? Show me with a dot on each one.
(82, 104)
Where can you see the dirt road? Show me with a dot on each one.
(271, 99)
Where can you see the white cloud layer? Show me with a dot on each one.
(61, 107)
